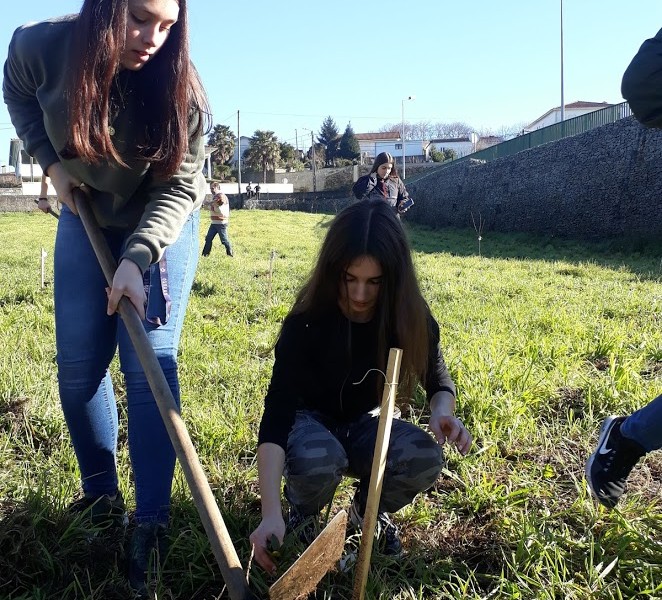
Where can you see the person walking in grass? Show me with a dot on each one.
(321, 409)
(108, 100)
(219, 207)
(624, 440)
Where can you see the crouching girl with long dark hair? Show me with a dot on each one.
(320, 418)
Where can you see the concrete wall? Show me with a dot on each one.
(340, 178)
(606, 182)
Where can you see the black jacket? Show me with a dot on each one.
(642, 83)
(391, 189)
(318, 361)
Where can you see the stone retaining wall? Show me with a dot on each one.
(606, 182)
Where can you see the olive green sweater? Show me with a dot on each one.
(133, 198)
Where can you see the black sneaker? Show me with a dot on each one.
(101, 511)
(147, 551)
(305, 527)
(387, 534)
(607, 469)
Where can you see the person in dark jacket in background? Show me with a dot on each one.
(383, 182)
(109, 101)
(624, 440)
(321, 408)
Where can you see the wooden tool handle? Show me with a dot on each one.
(377, 473)
(211, 518)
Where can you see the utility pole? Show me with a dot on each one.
(312, 140)
(239, 157)
(296, 141)
(404, 144)
(562, 101)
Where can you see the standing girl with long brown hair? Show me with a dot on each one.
(384, 183)
(108, 100)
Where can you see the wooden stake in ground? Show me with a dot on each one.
(377, 473)
(211, 518)
(271, 274)
(43, 259)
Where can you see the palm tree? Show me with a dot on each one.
(224, 141)
(263, 153)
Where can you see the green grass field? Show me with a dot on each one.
(543, 337)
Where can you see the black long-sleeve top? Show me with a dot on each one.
(317, 363)
(642, 83)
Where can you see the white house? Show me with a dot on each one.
(461, 146)
(372, 144)
(575, 109)
(244, 144)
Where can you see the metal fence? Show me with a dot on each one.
(552, 133)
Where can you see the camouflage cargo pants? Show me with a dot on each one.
(320, 452)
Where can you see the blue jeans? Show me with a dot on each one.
(220, 229)
(645, 425)
(320, 452)
(86, 340)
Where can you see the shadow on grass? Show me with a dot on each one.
(44, 556)
(203, 289)
(642, 257)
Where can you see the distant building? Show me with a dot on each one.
(372, 144)
(485, 141)
(461, 146)
(575, 109)
(244, 144)
(207, 169)
(24, 166)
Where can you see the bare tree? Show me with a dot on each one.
(505, 131)
(456, 129)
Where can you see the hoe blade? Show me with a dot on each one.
(316, 561)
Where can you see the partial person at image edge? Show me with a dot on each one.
(109, 101)
(624, 440)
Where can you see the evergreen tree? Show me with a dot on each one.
(329, 137)
(289, 157)
(349, 145)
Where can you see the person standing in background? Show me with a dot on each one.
(219, 206)
(384, 183)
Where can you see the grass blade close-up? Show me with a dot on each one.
(543, 337)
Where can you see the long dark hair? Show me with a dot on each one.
(168, 88)
(369, 227)
(383, 158)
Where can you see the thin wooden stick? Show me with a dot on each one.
(220, 541)
(43, 259)
(271, 273)
(377, 473)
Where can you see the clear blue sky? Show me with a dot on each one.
(286, 66)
